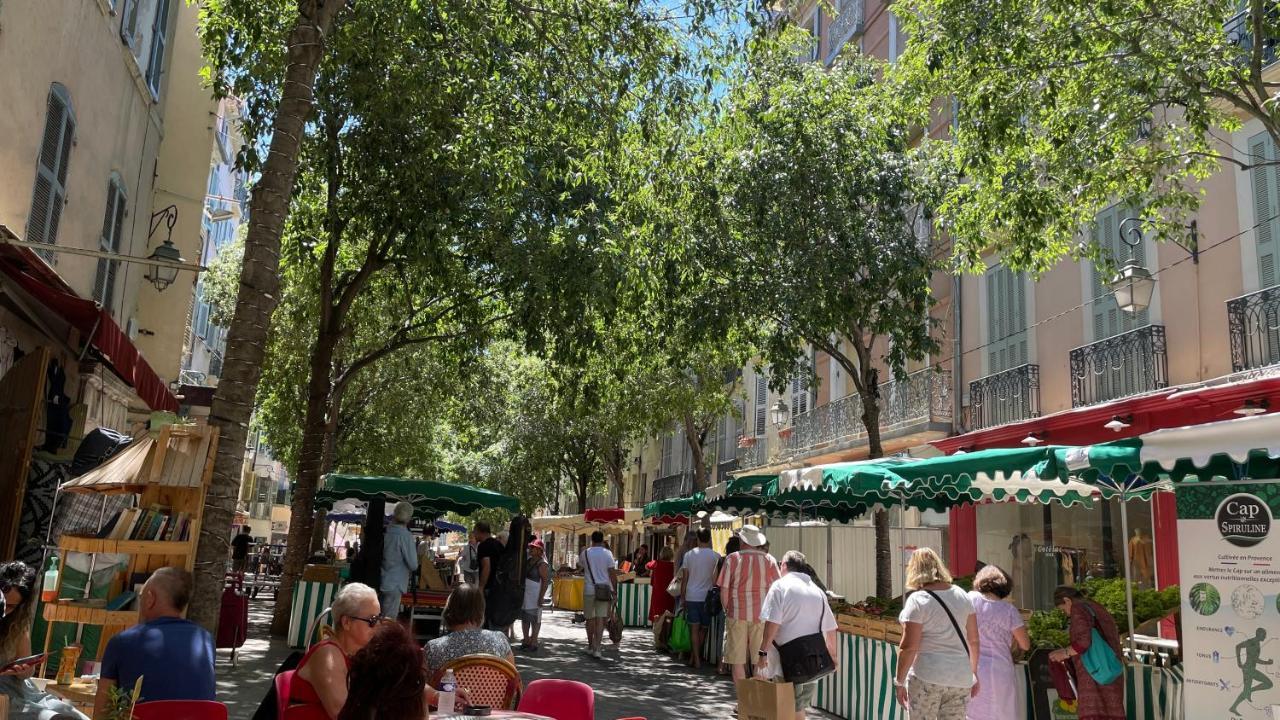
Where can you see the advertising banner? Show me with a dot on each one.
(1229, 545)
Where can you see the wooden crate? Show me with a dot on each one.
(868, 626)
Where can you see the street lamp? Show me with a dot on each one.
(162, 276)
(779, 414)
(1134, 285)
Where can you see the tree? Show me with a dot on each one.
(1064, 108)
(816, 195)
(296, 38)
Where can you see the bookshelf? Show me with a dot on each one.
(168, 472)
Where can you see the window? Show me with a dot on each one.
(104, 281)
(816, 29)
(129, 23)
(897, 38)
(1266, 206)
(799, 398)
(50, 191)
(1006, 319)
(762, 405)
(1108, 319)
(159, 41)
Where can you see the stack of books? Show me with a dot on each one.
(155, 523)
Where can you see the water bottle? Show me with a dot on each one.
(49, 590)
(448, 693)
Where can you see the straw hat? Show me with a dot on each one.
(751, 535)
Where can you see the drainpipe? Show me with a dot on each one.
(957, 357)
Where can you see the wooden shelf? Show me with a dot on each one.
(64, 612)
(72, 543)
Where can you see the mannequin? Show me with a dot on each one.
(1140, 554)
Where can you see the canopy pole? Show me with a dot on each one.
(830, 548)
(902, 538)
(1128, 578)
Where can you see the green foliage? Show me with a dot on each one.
(1048, 629)
(1064, 108)
(221, 283)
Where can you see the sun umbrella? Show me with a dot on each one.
(430, 498)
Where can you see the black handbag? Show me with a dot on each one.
(713, 604)
(806, 658)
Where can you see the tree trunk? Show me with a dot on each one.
(233, 401)
(884, 548)
(315, 426)
(694, 437)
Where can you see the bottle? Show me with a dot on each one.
(49, 590)
(448, 693)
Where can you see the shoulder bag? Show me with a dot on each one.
(952, 618)
(806, 658)
(1100, 659)
(603, 590)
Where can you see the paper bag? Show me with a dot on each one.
(764, 700)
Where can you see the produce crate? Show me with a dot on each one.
(867, 626)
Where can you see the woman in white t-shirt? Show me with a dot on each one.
(937, 666)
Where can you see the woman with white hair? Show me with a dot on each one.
(399, 560)
(938, 655)
(320, 684)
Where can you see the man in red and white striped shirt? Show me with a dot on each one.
(744, 581)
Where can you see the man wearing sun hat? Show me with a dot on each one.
(744, 581)
(536, 578)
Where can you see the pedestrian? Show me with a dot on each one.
(399, 560)
(26, 701)
(488, 551)
(938, 655)
(319, 688)
(794, 608)
(1094, 701)
(690, 542)
(744, 582)
(661, 572)
(240, 550)
(1000, 625)
(699, 572)
(536, 578)
(640, 561)
(469, 558)
(170, 654)
(600, 573)
(388, 679)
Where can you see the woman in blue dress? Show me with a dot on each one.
(26, 701)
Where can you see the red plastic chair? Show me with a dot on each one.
(559, 699)
(284, 686)
(180, 710)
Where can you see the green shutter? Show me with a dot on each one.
(1006, 319)
(1266, 204)
(1108, 320)
(761, 402)
(49, 193)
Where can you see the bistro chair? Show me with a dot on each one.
(180, 710)
(559, 700)
(284, 690)
(491, 680)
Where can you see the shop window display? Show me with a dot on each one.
(1043, 546)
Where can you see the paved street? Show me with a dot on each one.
(632, 681)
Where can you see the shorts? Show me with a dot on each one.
(806, 693)
(695, 613)
(532, 616)
(595, 609)
(239, 564)
(742, 640)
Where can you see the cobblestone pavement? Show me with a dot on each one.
(631, 681)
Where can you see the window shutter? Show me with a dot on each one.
(993, 323)
(112, 224)
(1266, 189)
(49, 193)
(1108, 320)
(159, 41)
(1006, 320)
(762, 410)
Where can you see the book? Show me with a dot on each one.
(105, 531)
(124, 528)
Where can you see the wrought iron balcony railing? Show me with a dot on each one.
(1004, 397)
(1239, 32)
(1126, 364)
(672, 486)
(1254, 323)
(922, 397)
(753, 454)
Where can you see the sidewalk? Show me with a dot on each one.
(631, 681)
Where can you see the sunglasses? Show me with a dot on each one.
(371, 621)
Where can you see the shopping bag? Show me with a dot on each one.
(662, 630)
(764, 700)
(613, 625)
(680, 640)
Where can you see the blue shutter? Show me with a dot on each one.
(1266, 204)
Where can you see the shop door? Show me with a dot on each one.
(21, 393)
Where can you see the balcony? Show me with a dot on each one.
(1127, 364)
(846, 25)
(922, 401)
(752, 455)
(1253, 321)
(1240, 34)
(672, 486)
(1004, 397)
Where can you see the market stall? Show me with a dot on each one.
(567, 584)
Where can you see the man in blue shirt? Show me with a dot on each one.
(172, 655)
(399, 560)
